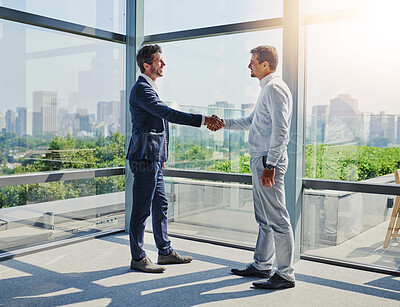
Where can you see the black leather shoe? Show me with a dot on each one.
(252, 271)
(275, 282)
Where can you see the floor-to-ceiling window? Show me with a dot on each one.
(62, 106)
(63, 99)
(206, 46)
(352, 130)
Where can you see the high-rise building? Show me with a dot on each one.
(382, 129)
(13, 63)
(24, 121)
(248, 106)
(44, 113)
(345, 121)
(10, 121)
(390, 128)
(398, 130)
(344, 105)
(115, 112)
(102, 110)
(108, 112)
(2, 121)
(84, 123)
(122, 111)
(81, 110)
(319, 120)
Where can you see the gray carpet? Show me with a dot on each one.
(96, 273)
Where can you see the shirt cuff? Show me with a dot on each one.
(271, 160)
(203, 118)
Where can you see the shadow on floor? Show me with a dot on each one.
(48, 288)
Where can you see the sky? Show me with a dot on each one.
(357, 57)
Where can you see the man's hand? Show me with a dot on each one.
(267, 177)
(213, 123)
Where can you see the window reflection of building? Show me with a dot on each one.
(345, 121)
(339, 123)
(398, 130)
(108, 112)
(23, 121)
(382, 130)
(2, 122)
(320, 117)
(10, 121)
(44, 113)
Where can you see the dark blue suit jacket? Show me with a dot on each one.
(150, 117)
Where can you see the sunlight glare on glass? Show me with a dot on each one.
(386, 24)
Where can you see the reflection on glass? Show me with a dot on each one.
(209, 71)
(175, 15)
(210, 76)
(215, 210)
(103, 14)
(63, 101)
(40, 213)
(354, 148)
(353, 109)
(349, 226)
(201, 149)
(317, 6)
(62, 107)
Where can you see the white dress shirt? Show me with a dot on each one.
(269, 123)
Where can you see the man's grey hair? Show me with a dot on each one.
(266, 53)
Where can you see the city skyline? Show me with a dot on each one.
(340, 122)
(199, 72)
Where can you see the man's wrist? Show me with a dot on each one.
(270, 166)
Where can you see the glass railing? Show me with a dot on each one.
(45, 212)
(351, 226)
(201, 149)
(218, 211)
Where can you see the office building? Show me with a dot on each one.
(10, 121)
(44, 113)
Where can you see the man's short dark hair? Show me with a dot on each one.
(145, 55)
(266, 53)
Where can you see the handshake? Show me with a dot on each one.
(214, 123)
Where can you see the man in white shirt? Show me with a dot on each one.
(268, 127)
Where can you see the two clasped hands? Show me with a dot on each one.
(214, 123)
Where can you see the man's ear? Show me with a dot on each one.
(146, 66)
(266, 65)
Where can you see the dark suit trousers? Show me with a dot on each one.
(148, 196)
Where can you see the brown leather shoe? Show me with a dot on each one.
(174, 258)
(145, 265)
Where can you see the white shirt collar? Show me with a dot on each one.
(151, 82)
(268, 78)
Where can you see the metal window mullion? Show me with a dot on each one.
(21, 179)
(351, 186)
(233, 28)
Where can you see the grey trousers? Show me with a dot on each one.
(275, 242)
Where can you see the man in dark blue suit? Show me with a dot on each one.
(147, 152)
